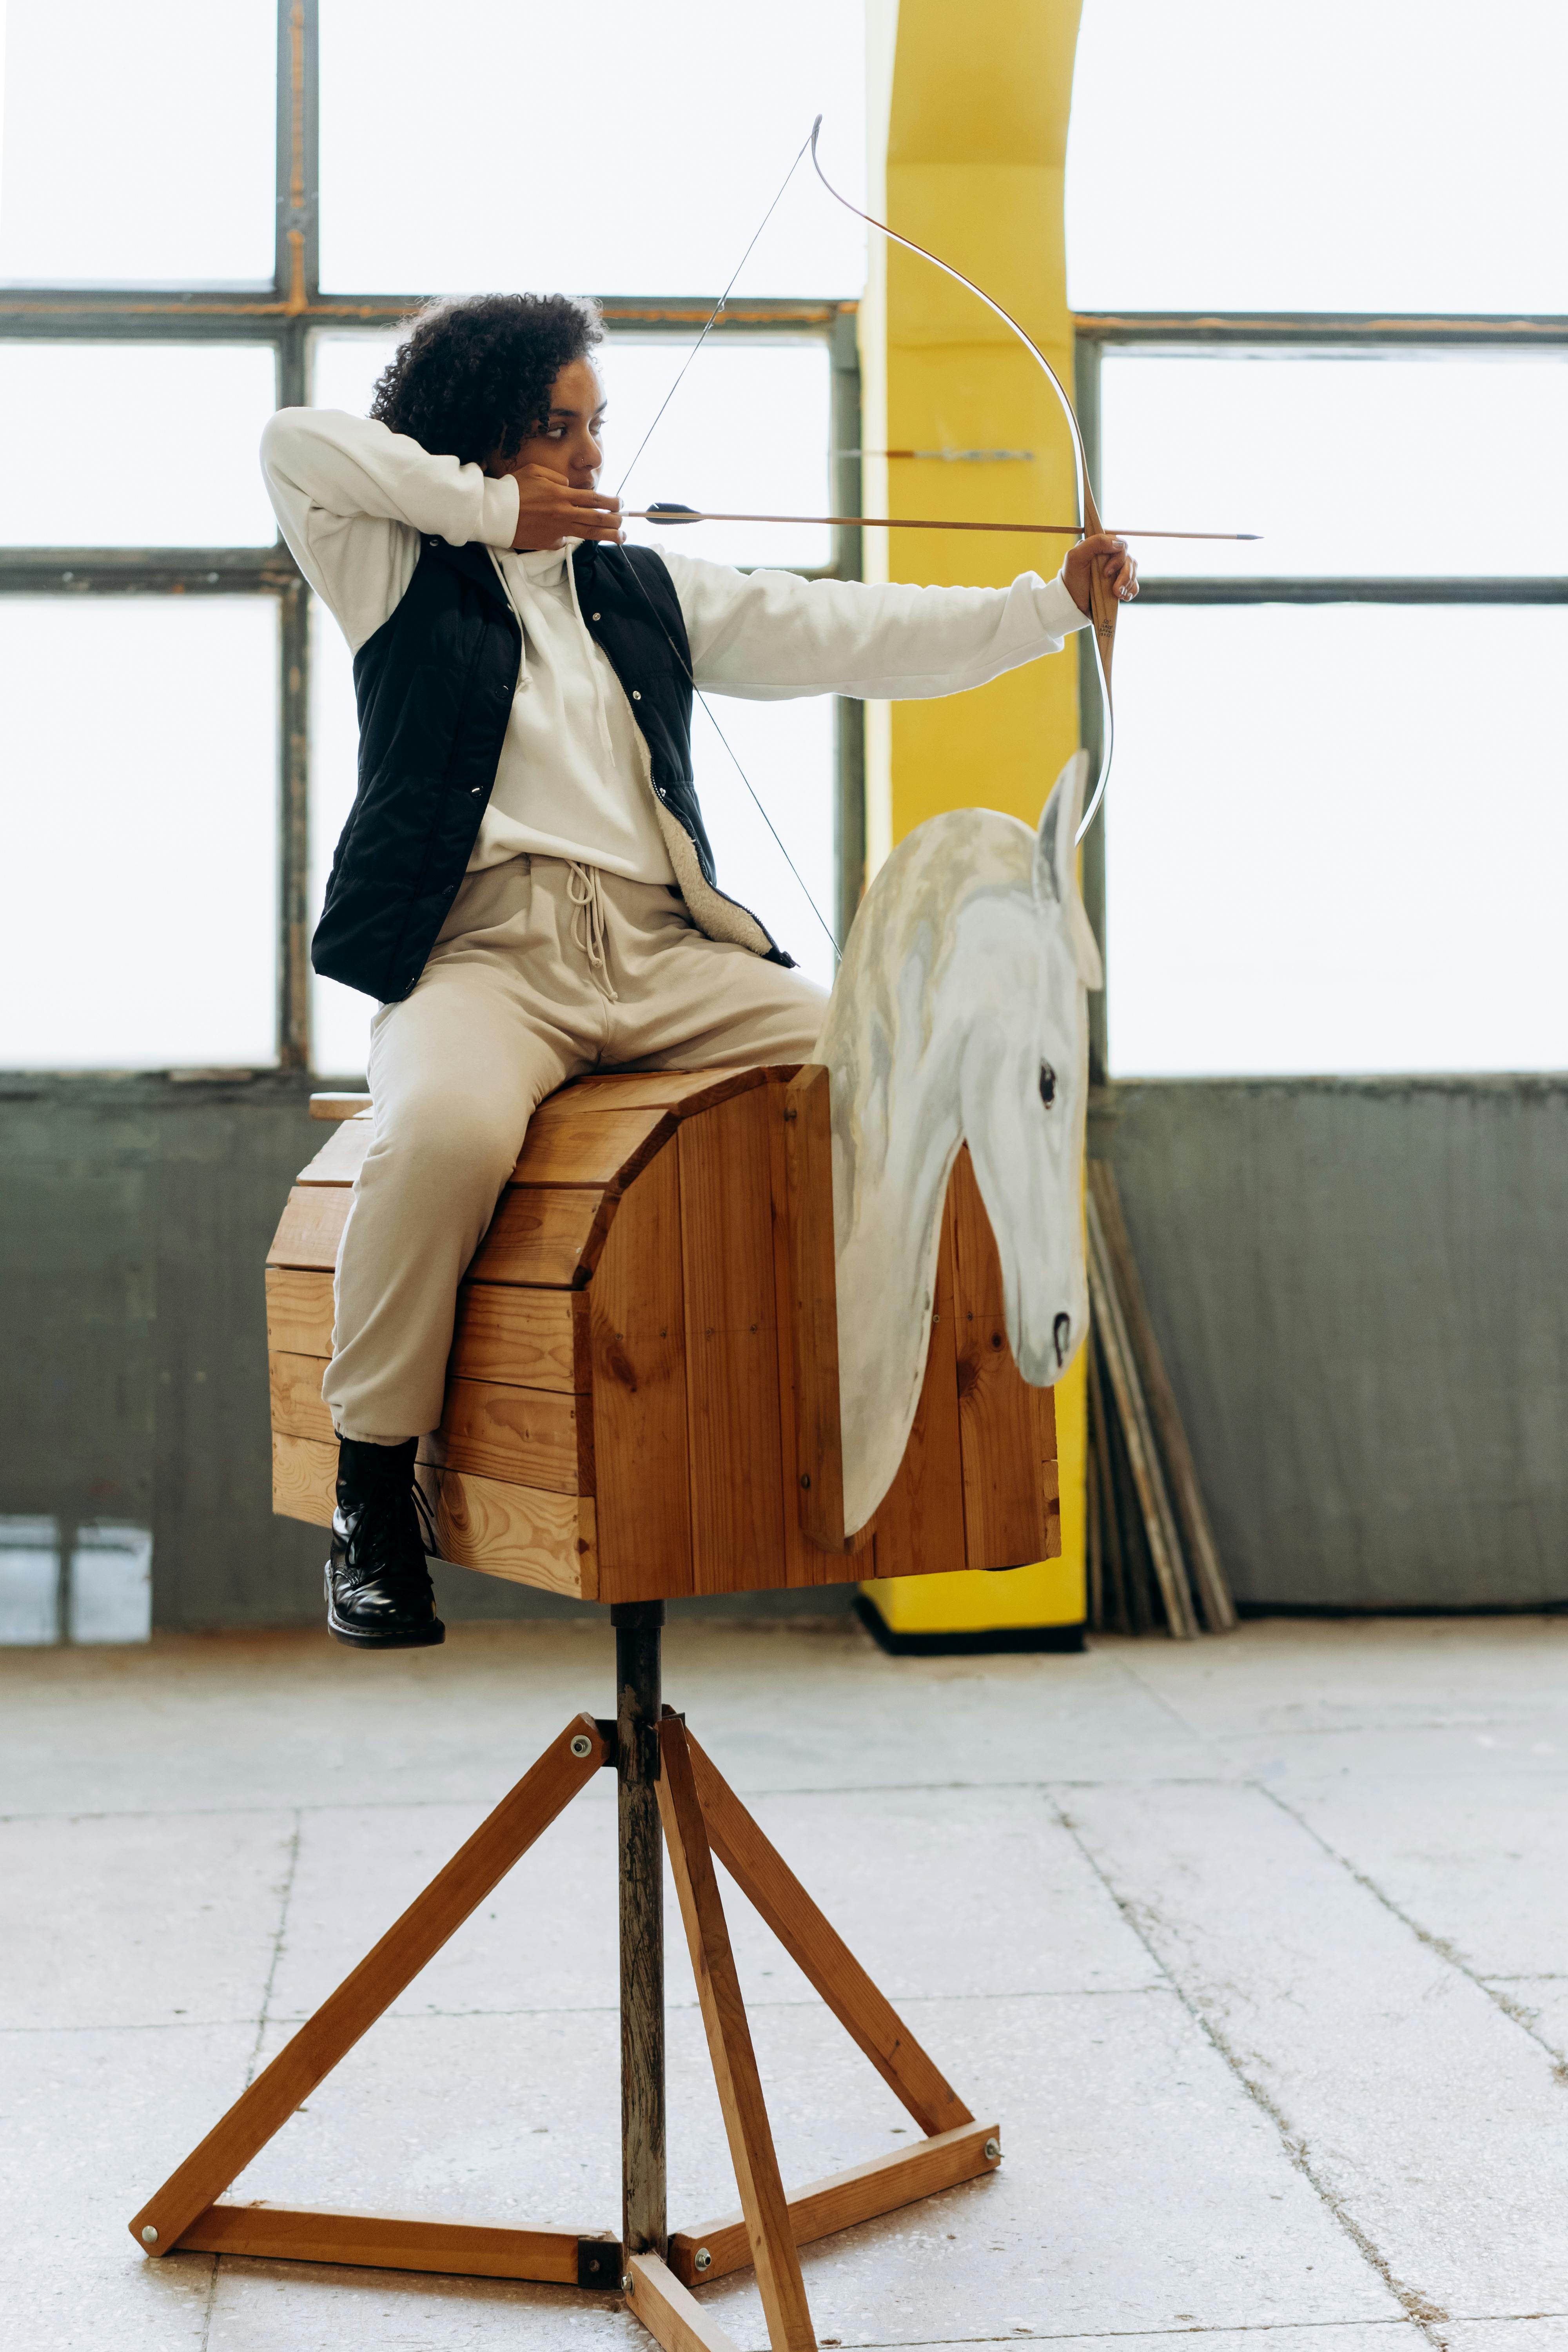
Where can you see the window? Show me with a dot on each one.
(1340, 792)
(652, 194)
(142, 818)
(180, 721)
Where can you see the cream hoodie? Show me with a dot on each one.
(352, 500)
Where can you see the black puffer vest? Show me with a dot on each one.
(434, 686)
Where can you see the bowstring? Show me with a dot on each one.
(708, 324)
(712, 316)
(729, 747)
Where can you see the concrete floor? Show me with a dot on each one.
(1258, 1947)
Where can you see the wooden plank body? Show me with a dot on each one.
(643, 1369)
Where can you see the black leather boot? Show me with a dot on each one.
(379, 1595)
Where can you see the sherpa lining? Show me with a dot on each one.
(715, 916)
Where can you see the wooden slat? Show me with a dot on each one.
(379, 2241)
(637, 1341)
(804, 1562)
(672, 2316)
(342, 1156)
(565, 1145)
(1186, 1495)
(845, 2198)
(474, 1871)
(772, 2247)
(543, 1235)
(525, 1437)
(304, 1479)
(819, 1952)
(684, 1090)
(524, 1338)
(328, 1106)
(1148, 1478)
(298, 1408)
(1043, 1403)
(522, 1533)
(920, 1521)
(1004, 1518)
(300, 1311)
(311, 1227)
(731, 1348)
(817, 1475)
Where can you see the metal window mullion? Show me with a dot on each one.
(844, 439)
(1091, 716)
(298, 269)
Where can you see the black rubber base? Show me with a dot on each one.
(1063, 1640)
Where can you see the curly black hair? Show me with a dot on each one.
(473, 378)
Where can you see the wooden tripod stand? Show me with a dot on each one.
(665, 1783)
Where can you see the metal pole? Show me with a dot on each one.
(639, 1632)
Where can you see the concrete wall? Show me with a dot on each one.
(1357, 1286)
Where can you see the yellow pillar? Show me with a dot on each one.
(968, 145)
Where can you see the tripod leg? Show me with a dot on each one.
(638, 1635)
(820, 1952)
(762, 2200)
(566, 1765)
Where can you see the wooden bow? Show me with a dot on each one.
(1103, 604)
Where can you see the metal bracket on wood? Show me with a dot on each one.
(599, 2262)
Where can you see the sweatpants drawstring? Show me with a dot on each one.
(583, 888)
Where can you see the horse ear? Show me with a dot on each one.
(1056, 864)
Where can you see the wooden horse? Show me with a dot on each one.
(644, 1402)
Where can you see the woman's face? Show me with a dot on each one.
(569, 443)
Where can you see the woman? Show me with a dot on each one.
(525, 882)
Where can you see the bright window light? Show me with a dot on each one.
(1335, 840)
(187, 419)
(1371, 463)
(442, 170)
(164, 781)
(1351, 155)
(137, 145)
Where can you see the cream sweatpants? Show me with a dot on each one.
(543, 970)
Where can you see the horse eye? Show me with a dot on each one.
(1048, 1084)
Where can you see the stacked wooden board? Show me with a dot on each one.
(624, 1416)
(1152, 1558)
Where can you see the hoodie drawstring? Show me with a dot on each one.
(583, 889)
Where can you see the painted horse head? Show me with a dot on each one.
(959, 1016)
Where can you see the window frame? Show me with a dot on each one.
(1095, 332)
(285, 317)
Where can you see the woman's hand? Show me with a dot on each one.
(550, 511)
(1117, 568)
